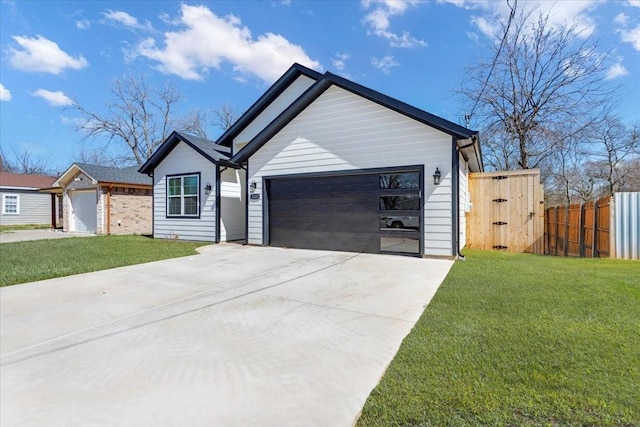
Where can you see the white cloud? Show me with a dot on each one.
(575, 12)
(83, 24)
(42, 55)
(616, 70)
(633, 3)
(632, 37)
(384, 64)
(5, 94)
(56, 99)
(123, 18)
(621, 19)
(378, 21)
(207, 40)
(339, 61)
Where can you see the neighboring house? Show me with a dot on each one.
(22, 203)
(320, 162)
(105, 200)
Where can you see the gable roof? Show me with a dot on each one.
(210, 150)
(105, 174)
(265, 100)
(27, 181)
(329, 79)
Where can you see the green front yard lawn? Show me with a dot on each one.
(520, 340)
(29, 261)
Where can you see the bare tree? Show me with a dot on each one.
(97, 157)
(225, 116)
(24, 162)
(138, 116)
(611, 148)
(539, 78)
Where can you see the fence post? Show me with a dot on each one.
(594, 245)
(581, 231)
(566, 230)
(556, 232)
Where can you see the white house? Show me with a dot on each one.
(328, 164)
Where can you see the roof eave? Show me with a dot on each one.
(290, 76)
(281, 121)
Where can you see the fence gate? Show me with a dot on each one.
(507, 211)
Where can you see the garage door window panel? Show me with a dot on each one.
(400, 204)
(183, 196)
(400, 181)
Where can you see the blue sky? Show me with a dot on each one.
(229, 52)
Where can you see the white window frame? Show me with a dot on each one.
(182, 196)
(4, 204)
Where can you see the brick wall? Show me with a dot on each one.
(130, 211)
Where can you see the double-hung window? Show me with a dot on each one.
(11, 204)
(183, 194)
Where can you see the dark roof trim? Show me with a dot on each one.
(282, 120)
(321, 85)
(265, 100)
(214, 154)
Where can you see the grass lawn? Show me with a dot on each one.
(10, 228)
(29, 261)
(520, 340)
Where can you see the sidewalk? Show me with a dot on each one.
(22, 235)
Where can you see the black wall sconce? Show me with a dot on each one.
(207, 188)
(436, 177)
(253, 186)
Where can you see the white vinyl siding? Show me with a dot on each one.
(232, 205)
(32, 207)
(341, 131)
(274, 109)
(183, 160)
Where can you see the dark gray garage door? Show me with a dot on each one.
(372, 212)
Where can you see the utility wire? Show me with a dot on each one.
(512, 15)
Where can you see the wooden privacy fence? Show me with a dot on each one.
(581, 230)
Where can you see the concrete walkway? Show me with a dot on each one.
(235, 336)
(22, 235)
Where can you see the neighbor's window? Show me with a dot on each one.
(11, 204)
(182, 195)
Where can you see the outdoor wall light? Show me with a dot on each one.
(253, 186)
(436, 177)
(207, 188)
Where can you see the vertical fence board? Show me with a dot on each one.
(579, 230)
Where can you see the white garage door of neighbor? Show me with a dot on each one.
(83, 215)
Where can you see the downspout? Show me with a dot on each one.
(456, 189)
(246, 202)
(218, 203)
(455, 194)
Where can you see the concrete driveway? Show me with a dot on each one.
(234, 336)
